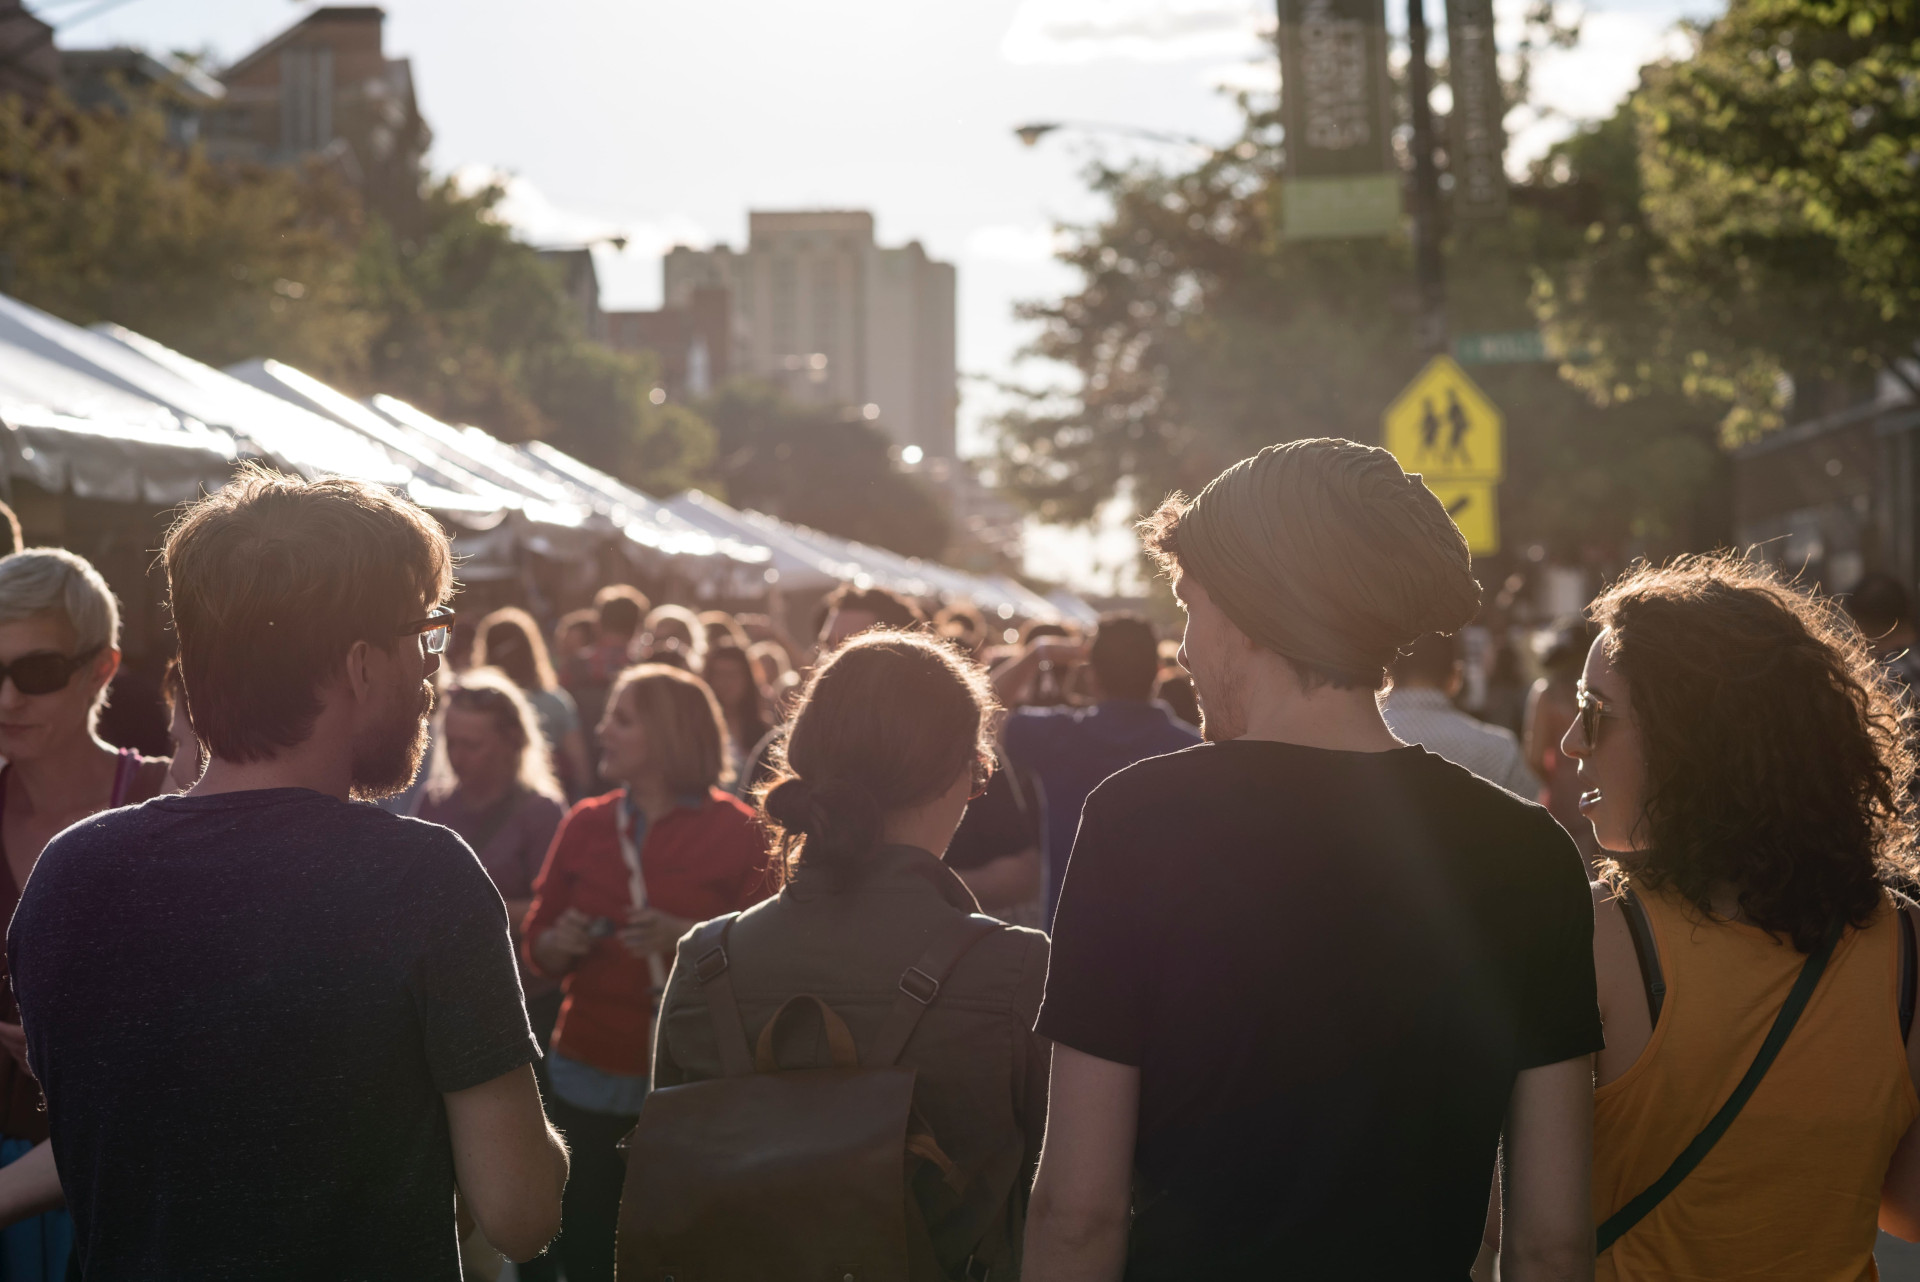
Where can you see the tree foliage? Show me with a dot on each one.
(1199, 335)
(1773, 251)
(819, 466)
(102, 217)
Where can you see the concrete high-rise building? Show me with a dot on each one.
(820, 309)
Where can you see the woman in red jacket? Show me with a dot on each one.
(628, 874)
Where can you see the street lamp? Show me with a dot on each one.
(1031, 134)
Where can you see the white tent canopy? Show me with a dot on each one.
(437, 484)
(294, 438)
(798, 568)
(72, 427)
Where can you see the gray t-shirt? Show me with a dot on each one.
(245, 1009)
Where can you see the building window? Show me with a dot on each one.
(786, 307)
(306, 99)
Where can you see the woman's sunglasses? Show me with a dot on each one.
(1592, 709)
(45, 671)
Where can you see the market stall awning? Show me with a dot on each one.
(797, 567)
(69, 429)
(277, 430)
(641, 517)
(438, 484)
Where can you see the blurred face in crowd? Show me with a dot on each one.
(843, 625)
(483, 760)
(730, 681)
(625, 755)
(392, 735)
(1613, 771)
(33, 725)
(1217, 654)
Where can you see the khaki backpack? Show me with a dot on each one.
(789, 1174)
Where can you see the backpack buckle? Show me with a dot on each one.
(919, 985)
(712, 965)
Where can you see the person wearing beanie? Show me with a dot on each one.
(1307, 980)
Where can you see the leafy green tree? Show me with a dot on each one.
(1200, 335)
(815, 465)
(102, 219)
(1773, 246)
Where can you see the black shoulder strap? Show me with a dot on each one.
(921, 984)
(1633, 1212)
(1640, 926)
(1909, 956)
(708, 949)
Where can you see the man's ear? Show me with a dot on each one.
(359, 669)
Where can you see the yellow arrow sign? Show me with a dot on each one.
(1475, 508)
(1444, 427)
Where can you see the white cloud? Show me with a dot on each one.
(1013, 243)
(1587, 81)
(540, 221)
(1057, 31)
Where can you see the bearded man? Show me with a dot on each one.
(278, 1027)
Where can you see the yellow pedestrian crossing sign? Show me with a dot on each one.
(1444, 427)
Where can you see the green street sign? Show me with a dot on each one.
(1516, 347)
(1339, 208)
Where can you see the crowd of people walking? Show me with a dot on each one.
(909, 950)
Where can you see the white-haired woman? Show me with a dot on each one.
(59, 649)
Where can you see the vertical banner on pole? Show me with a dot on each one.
(1479, 107)
(1334, 101)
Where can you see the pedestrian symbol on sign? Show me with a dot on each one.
(1444, 427)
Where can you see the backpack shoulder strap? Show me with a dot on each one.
(920, 984)
(1640, 926)
(1640, 1207)
(708, 949)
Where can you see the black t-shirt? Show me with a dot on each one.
(1328, 967)
(245, 1009)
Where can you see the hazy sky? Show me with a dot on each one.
(669, 121)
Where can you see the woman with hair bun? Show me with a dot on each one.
(1743, 762)
(889, 743)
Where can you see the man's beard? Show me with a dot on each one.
(1219, 693)
(385, 763)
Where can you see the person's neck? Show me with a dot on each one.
(73, 777)
(479, 794)
(320, 767)
(1342, 720)
(652, 796)
(927, 828)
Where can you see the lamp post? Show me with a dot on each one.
(1429, 271)
(1031, 134)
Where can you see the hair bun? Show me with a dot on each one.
(838, 817)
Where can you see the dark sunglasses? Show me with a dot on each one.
(45, 671)
(1592, 709)
(435, 630)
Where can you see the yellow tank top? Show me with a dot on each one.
(1792, 1190)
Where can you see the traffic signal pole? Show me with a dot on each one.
(1429, 272)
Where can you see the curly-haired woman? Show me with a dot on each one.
(1740, 759)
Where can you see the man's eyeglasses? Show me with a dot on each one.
(434, 631)
(1592, 708)
(45, 671)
